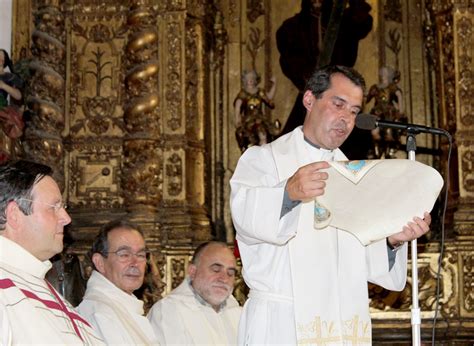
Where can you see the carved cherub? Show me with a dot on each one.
(388, 105)
(253, 127)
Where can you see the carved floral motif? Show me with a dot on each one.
(174, 174)
(466, 64)
(178, 270)
(192, 77)
(220, 40)
(255, 9)
(468, 282)
(142, 173)
(173, 94)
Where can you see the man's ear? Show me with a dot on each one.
(192, 271)
(13, 214)
(308, 100)
(98, 261)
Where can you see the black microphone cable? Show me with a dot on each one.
(441, 251)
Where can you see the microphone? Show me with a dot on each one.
(370, 122)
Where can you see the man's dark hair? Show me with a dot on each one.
(17, 179)
(199, 250)
(320, 80)
(101, 242)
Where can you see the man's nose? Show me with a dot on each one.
(134, 260)
(64, 217)
(225, 277)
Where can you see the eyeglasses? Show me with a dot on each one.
(125, 256)
(56, 207)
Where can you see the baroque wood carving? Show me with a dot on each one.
(43, 141)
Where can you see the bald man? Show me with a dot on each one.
(202, 309)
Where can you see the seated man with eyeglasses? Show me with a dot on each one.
(32, 221)
(119, 257)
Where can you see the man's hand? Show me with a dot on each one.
(413, 230)
(307, 182)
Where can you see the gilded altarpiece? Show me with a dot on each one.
(121, 96)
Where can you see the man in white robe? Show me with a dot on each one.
(119, 256)
(202, 310)
(309, 286)
(32, 220)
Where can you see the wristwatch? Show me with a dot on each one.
(395, 247)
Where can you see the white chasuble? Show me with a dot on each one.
(116, 315)
(31, 310)
(181, 319)
(308, 286)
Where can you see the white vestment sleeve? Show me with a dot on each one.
(378, 266)
(5, 330)
(167, 325)
(257, 198)
(108, 328)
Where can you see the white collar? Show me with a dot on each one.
(98, 285)
(16, 256)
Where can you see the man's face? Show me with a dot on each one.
(127, 274)
(214, 275)
(2, 59)
(331, 118)
(316, 7)
(42, 232)
(250, 80)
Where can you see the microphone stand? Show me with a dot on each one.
(415, 308)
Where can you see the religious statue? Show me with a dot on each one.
(69, 276)
(253, 126)
(11, 117)
(388, 105)
(300, 42)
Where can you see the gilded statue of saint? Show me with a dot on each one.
(253, 126)
(388, 105)
(11, 115)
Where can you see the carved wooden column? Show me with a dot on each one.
(440, 54)
(43, 136)
(463, 28)
(183, 73)
(142, 169)
(142, 173)
(450, 47)
(185, 32)
(463, 18)
(219, 173)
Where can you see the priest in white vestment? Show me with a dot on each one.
(32, 220)
(119, 255)
(201, 310)
(309, 286)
